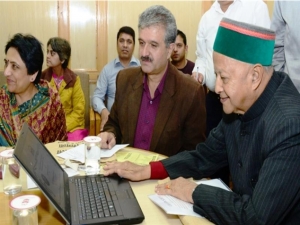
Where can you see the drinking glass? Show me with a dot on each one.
(25, 210)
(10, 173)
(92, 147)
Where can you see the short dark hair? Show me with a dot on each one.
(126, 30)
(31, 52)
(62, 48)
(181, 34)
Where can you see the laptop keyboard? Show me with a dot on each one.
(95, 198)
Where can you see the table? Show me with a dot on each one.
(48, 215)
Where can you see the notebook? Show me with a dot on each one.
(103, 200)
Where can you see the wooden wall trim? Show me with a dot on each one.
(206, 6)
(101, 38)
(101, 34)
(63, 19)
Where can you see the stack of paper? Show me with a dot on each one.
(172, 205)
(77, 153)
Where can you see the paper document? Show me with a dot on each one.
(30, 183)
(172, 205)
(77, 153)
(136, 157)
(175, 206)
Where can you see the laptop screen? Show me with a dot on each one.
(43, 169)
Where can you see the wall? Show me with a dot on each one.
(91, 26)
(187, 16)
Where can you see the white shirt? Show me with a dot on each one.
(248, 11)
(286, 16)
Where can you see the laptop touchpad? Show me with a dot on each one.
(123, 195)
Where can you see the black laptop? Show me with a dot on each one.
(79, 199)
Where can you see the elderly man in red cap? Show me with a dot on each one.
(259, 138)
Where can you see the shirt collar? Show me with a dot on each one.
(42, 90)
(161, 85)
(133, 60)
(216, 5)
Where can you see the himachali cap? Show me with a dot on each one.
(245, 42)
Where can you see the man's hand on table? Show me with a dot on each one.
(127, 170)
(180, 188)
(108, 140)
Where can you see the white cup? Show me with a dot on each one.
(10, 173)
(25, 209)
(92, 147)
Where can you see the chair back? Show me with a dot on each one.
(85, 85)
(2, 78)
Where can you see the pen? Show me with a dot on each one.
(197, 75)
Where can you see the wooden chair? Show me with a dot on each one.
(95, 122)
(2, 78)
(96, 118)
(85, 85)
(92, 118)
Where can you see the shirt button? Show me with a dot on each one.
(151, 102)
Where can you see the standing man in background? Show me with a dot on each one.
(287, 43)
(254, 12)
(106, 83)
(178, 57)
